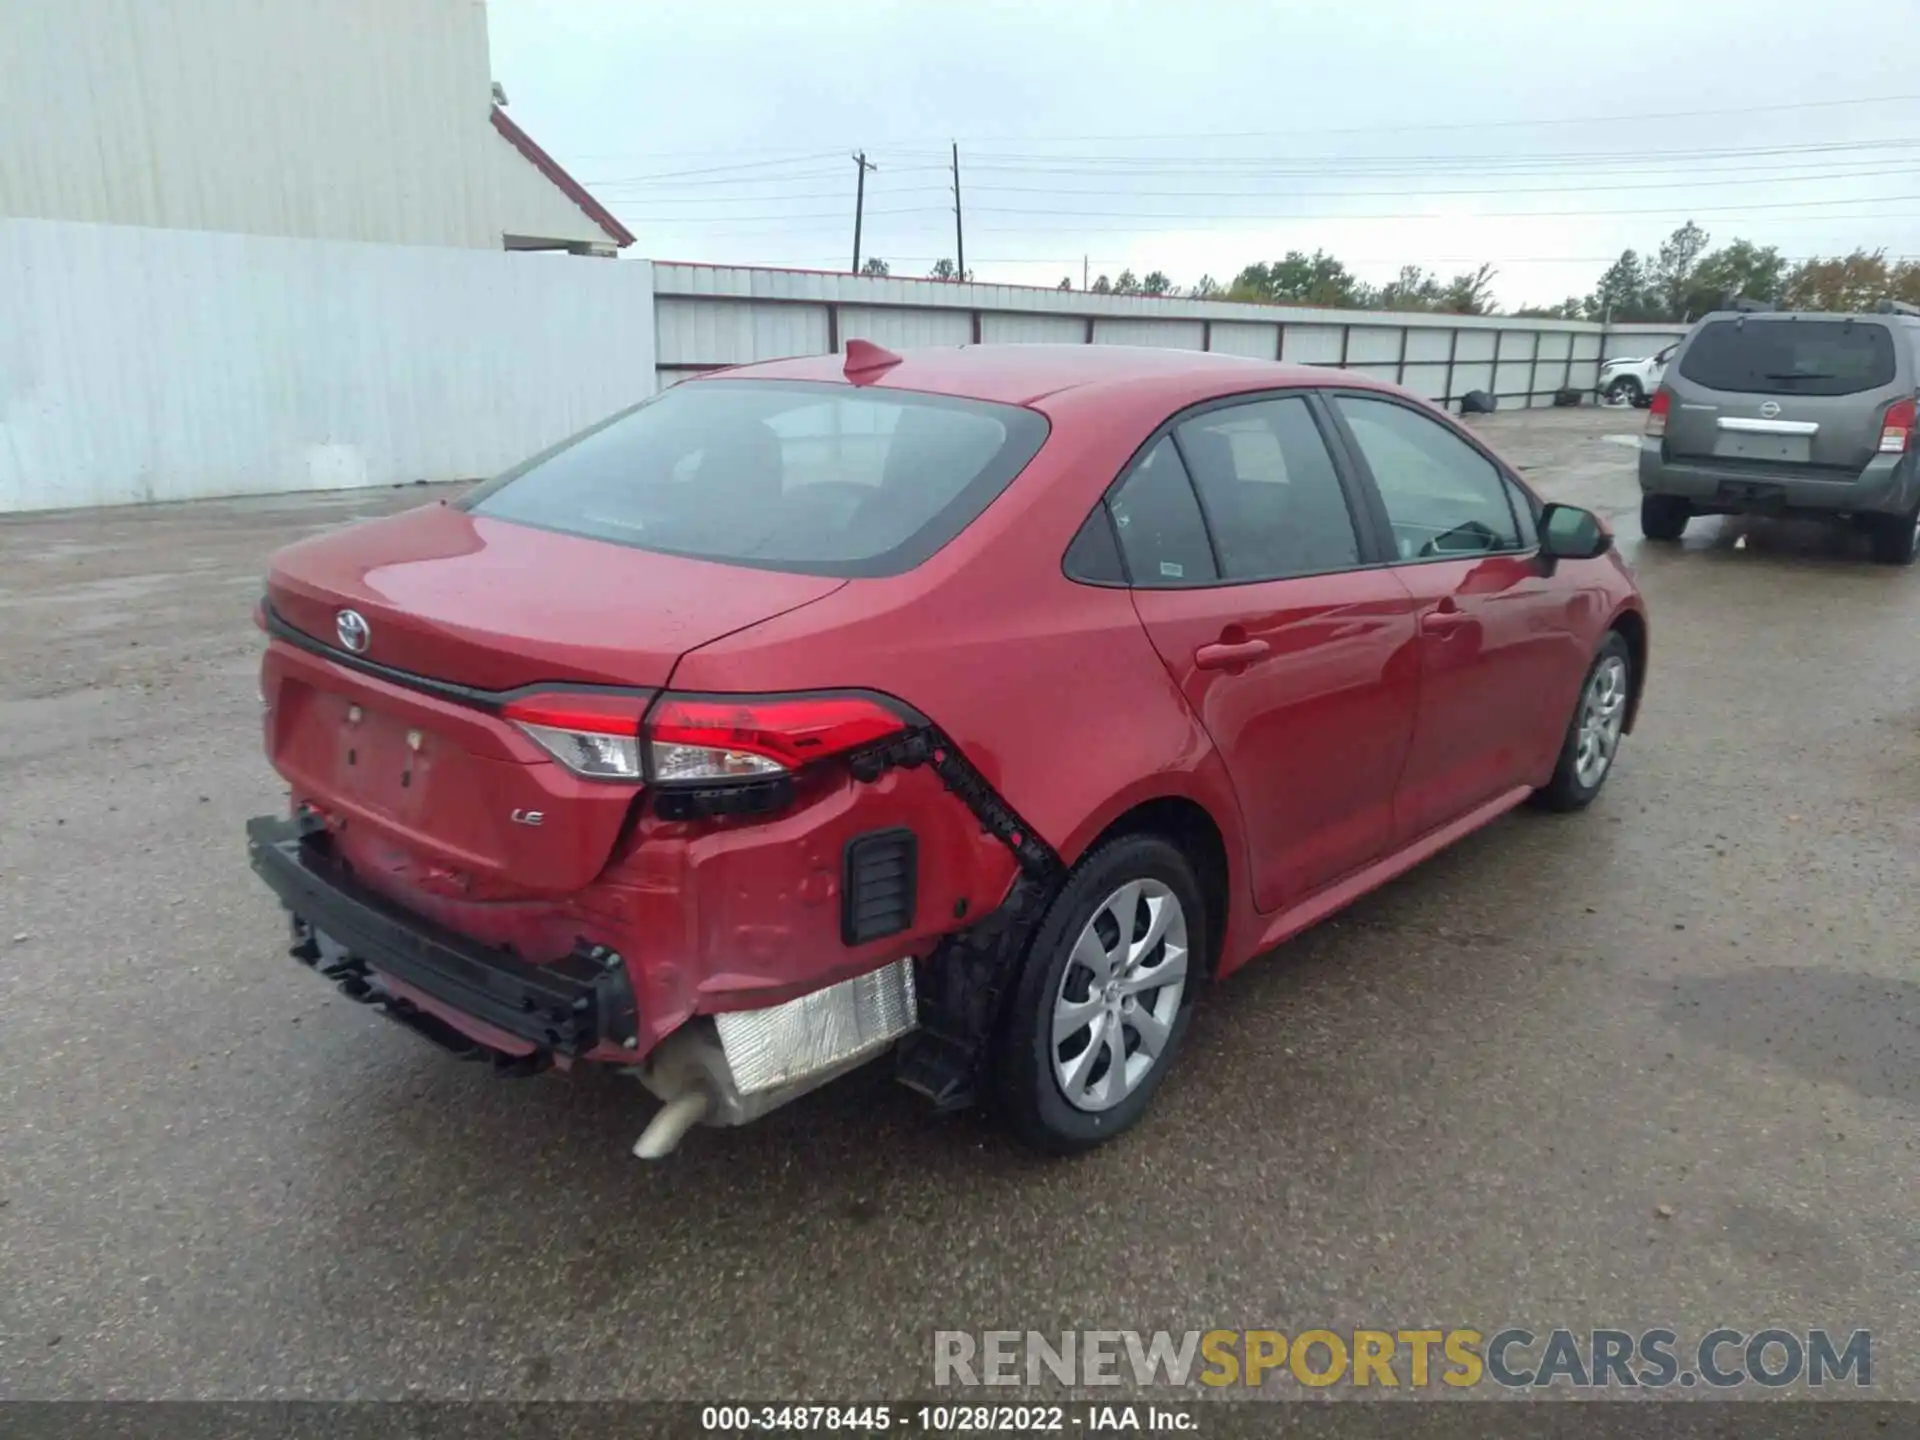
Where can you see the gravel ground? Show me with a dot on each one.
(1653, 1064)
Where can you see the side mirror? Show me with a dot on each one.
(1569, 533)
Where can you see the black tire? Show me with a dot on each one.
(1627, 390)
(1664, 517)
(1566, 790)
(1027, 1091)
(1894, 538)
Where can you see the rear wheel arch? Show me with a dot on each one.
(1190, 827)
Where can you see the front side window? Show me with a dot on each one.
(812, 478)
(1443, 497)
(1271, 493)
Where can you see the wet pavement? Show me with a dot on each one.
(1658, 1063)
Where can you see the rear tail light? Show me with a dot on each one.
(700, 739)
(1896, 431)
(1657, 413)
(592, 734)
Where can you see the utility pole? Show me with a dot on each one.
(959, 238)
(1085, 272)
(860, 202)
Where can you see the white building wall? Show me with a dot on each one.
(146, 364)
(334, 119)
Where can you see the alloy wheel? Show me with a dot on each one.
(1603, 713)
(1119, 995)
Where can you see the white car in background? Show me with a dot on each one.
(1632, 381)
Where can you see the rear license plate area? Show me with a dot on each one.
(383, 761)
(1779, 449)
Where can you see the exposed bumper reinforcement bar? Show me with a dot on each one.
(354, 937)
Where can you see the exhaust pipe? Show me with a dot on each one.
(734, 1069)
(670, 1125)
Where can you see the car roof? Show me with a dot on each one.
(1016, 374)
(1877, 317)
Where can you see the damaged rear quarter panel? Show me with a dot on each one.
(736, 914)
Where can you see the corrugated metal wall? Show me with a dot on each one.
(348, 119)
(709, 316)
(1640, 340)
(141, 364)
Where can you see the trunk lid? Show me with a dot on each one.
(491, 604)
(438, 792)
(1784, 392)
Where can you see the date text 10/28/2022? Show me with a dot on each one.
(941, 1419)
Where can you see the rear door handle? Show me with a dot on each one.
(1230, 655)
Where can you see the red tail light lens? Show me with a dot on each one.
(1657, 412)
(593, 734)
(698, 739)
(1896, 431)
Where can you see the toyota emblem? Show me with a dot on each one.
(351, 626)
(1770, 409)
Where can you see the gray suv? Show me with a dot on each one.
(1773, 413)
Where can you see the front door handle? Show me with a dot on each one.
(1444, 617)
(1230, 655)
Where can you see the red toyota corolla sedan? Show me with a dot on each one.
(976, 705)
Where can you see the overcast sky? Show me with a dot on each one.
(1196, 137)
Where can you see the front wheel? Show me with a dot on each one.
(1593, 735)
(1104, 996)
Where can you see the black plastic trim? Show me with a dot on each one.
(470, 695)
(931, 748)
(867, 911)
(568, 1006)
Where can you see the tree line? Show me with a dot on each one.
(1678, 281)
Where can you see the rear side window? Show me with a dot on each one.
(1270, 489)
(1790, 357)
(1158, 521)
(816, 479)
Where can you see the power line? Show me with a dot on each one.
(1255, 168)
(1292, 164)
(1350, 260)
(1414, 194)
(743, 165)
(1325, 219)
(1443, 126)
(795, 178)
(1774, 178)
(1189, 218)
(1455, 125)
(1431, 215)
(808, 215)
(809, 195)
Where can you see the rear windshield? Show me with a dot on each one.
(817, 479)
(1790, 357)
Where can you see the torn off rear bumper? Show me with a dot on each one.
(571, 1006)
